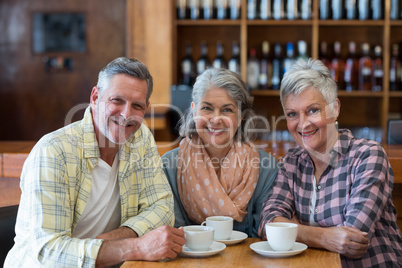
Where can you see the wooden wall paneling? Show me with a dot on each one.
(37, 102)
(149, 34)
(12, 164)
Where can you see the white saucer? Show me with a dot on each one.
(264, 249)
(235, 237)
(215, 248)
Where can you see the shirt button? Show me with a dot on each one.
(319, 187)
(316, 210)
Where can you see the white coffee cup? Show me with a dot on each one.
(198, 238)
(222, 225)
(281, 236)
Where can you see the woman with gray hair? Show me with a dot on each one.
(337, 188)
(216, 170)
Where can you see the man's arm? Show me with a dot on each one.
(161, 243)
(119, 233)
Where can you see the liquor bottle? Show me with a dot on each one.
(203, 61)
(365, 68)
(324, 9)
(253, 69)
(265, 67)
(219, 61)
(207, 9)
(337, 9)
(323, 56)
(194, 9)
(394, 9)
(292, 9)
(221, 6)
(181, 9)
(277, 67)
(251, 9)
(289, 60)
(378, 71)
(376, 7)
(363, 9)
(351, 74)
(337, 65)
(234, 62)
(351, 10)
(394, 70)
(302, 49)
(188, 67)
(265, 10)
(278, 9)
(305, 10)
(234, 6)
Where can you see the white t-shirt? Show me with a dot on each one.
(102, 212)
(313, 204)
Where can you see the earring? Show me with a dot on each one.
(336, 125)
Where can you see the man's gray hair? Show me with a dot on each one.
(311, 73)
(236, 89)
(123, 65)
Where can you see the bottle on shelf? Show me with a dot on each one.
(265, 9)
(207, 9)
(292, 9)
(265, 67)
(302, 49)
(289, 60)
(365, 68)
(337, 65)
(305, 10)
(203, 62)
(394, 9)
(194, 9)
(278, 9)
(363, 9)
(253, 70)
(351, 73)
(219, 61)
(376, 7)
(323, 56)
(251, 9)
(234, 62)
(188, 67)
(337, 9)
(277, 66)
(324, 9)
(182, 9)
(394, 70)
(234, 7)
(378, 71)
(351, 11)
(221, 8)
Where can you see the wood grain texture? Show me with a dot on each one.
(240, 255)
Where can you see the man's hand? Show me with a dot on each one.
(161, 243)
(346, 240)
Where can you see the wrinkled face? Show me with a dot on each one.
(310, 120)
(217, 118)
(118, 113)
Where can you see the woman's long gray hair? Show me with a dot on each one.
(236, 89)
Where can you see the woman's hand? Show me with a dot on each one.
(346, 240)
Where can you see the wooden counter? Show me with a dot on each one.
(241, 255)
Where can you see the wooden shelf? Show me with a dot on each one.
(213, 22)
(280, 22)
(367, 94)
(395, 94)
(344, 23)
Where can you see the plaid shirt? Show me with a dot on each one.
(354, 190)
(56, 182)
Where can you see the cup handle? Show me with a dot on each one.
(204, 223)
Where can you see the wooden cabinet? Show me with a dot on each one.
(358, 108)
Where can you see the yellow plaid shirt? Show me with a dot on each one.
(56, 182)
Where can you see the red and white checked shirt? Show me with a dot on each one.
(354, 190)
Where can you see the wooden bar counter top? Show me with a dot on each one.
(241, 255)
